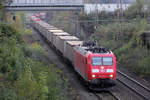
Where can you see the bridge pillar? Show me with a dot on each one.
(77, 23)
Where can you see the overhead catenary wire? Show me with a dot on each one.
(82, 21)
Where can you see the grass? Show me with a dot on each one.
(28, 32)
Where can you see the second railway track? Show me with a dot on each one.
(134, 85)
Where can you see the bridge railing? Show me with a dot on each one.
(34, 2)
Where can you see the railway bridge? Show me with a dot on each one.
(44, 5)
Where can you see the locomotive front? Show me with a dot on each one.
(96, 65)
(101, 69)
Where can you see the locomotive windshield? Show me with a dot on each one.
(96, 61)
(107, 61)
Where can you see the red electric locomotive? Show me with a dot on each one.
(96, 65)
(34, 18)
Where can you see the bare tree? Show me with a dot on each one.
(8, 2)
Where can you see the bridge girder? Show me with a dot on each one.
(44, 7)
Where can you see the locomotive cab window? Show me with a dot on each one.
(96, 61)
(107, 61)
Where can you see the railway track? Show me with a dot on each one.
(134, 85)
(107, 96)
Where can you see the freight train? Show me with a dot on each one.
(95, 64)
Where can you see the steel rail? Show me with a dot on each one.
(112, 94)
(101, 98)
(133, 89)
(98, 96)
(133, 80)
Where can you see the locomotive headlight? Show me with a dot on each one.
(102, 67)
(93, 76)
(111, 75)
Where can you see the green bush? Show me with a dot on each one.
(135, 10)
(28, 76)
(11, 59)
(143, 66)
(26, 86)
(8, 94)
(7, 32)
(48, 81)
